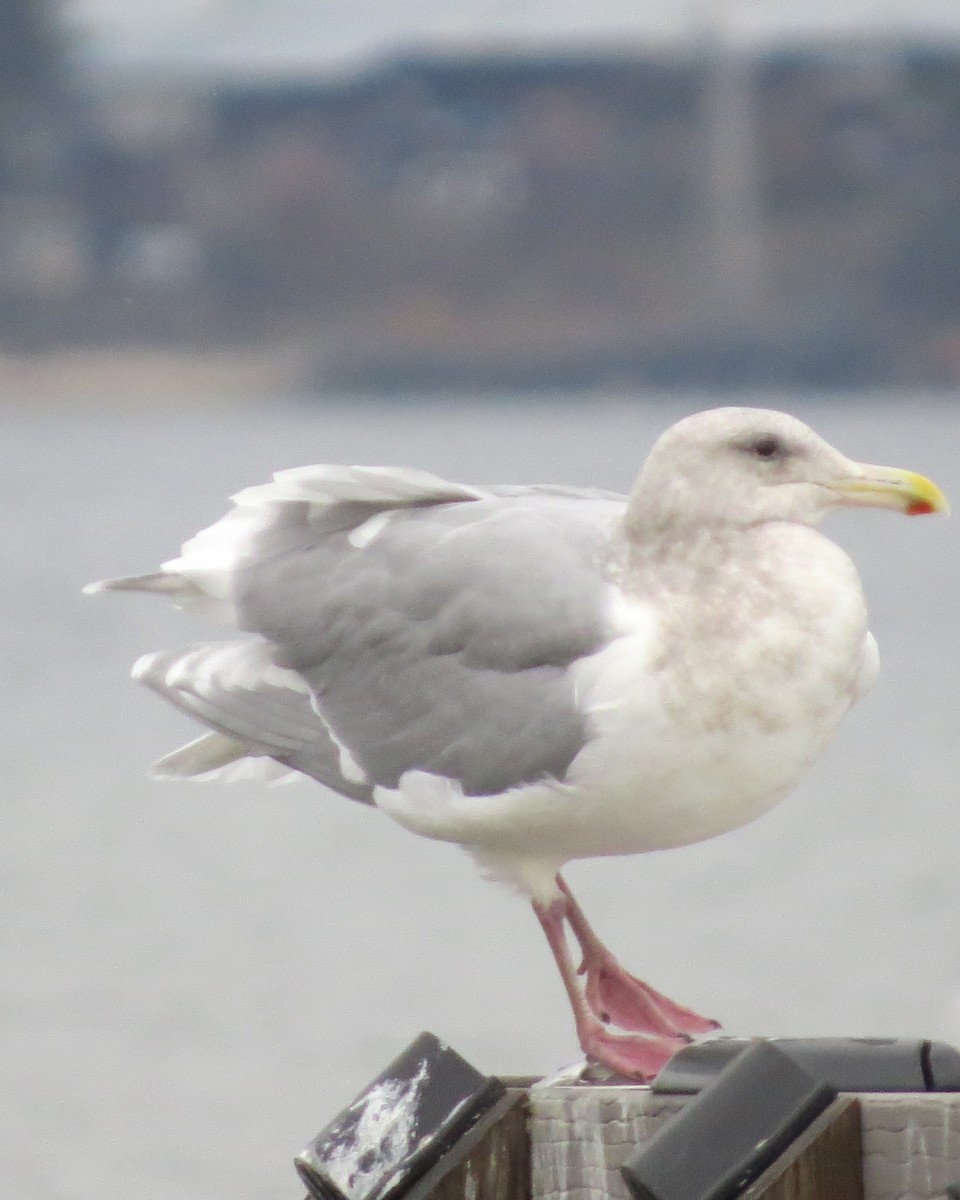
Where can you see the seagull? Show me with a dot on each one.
(540, 674)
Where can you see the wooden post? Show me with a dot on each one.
(824, 1163)
(492, 1162)
(581, 1136)
(570, 1141)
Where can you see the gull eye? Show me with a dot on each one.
(767, 446)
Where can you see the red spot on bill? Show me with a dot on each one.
(919, 507)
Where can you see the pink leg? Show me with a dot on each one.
(630, 1055)
(618, 997)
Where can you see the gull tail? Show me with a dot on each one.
(160, 581)
(182, 591)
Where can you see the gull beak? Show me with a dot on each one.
(889, 487)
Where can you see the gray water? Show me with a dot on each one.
(196, 978)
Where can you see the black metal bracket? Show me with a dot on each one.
(723, 1141)
(400, 1126)
(850, 1064)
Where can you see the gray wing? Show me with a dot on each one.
(438, 637)
(236, 689)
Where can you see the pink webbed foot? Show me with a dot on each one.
(619, 998)
(658, 1027)
(631, 1056)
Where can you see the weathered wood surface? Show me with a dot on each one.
(491, 1163)
(569, 1143)
(911, 1145)
(581, 1135)
(824, 1163)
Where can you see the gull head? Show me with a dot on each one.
(744, 466)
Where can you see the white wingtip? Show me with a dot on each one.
(91, 589)
(143, 664)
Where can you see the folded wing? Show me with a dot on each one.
(403, 623)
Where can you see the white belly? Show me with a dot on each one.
(644, 782)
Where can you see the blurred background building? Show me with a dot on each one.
(497, 196)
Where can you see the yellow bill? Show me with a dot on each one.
(891, 487)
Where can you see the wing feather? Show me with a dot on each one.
(443, 644)
(238, 690)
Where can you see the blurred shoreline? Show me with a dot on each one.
(146, 375)
(381, 366)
